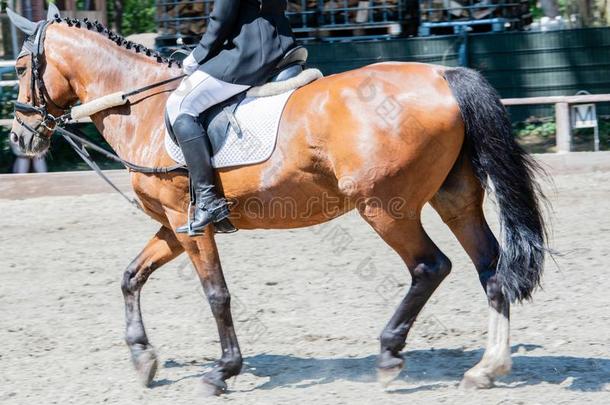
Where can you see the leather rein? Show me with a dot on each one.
(55, 124)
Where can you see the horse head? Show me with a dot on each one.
(42, 88)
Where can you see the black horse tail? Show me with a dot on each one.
(496, 155)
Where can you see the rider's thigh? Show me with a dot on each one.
(198, 92)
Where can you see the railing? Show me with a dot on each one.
(562, 109)
(505, 9)
(310, 19)
(175, 17)
(4, 64)
(563, 131)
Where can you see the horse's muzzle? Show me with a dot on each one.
(31, 144)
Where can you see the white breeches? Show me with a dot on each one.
(197, 93)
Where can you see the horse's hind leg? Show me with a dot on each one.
(428, 267)
(459, 203)
(162, 248)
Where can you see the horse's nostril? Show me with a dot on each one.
(14, 138)
(21, 142)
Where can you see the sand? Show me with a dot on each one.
(308, 311)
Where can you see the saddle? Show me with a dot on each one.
(289, 74)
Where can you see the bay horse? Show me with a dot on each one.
(384, 139)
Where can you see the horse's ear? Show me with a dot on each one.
(22, 23)
(53, 11)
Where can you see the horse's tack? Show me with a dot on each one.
(55, 124)
(326, 147)
(81, 111)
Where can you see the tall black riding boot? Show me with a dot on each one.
(209, 207)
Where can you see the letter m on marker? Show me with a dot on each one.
(584, 116)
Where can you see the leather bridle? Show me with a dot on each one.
(40, 105)
(39, 94)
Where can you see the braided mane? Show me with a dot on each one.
(116, 38)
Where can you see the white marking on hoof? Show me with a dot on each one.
(475, 380)
(386, 375)
(209, 389)
(496, 360)
(146, 366)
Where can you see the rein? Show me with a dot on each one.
(78, 142)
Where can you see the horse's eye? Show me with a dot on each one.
(20, 71)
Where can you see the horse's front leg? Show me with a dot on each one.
(204, 255)
(162, 248)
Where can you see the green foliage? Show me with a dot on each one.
(535, 128)
(537, 13)
(138, 16)
(6, 155)
(7, 95)
(538, 135)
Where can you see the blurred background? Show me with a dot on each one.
(528, 50)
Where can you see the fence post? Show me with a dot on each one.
(562, 124)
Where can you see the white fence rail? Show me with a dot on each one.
(4, 64)
(563, 125)
(562, 109)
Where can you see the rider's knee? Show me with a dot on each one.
(187, 127)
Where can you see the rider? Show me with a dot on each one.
(244, 41)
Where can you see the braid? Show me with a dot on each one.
(117, 39)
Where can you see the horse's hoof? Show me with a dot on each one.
(476, 381)
(388, 368)
(386, 375)
(212, 388)
(145, 362)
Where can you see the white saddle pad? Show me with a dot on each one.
(259, 120)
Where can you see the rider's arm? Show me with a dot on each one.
(220, 24)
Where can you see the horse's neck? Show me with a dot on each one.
(101, 68)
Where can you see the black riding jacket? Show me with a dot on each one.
(244, 41)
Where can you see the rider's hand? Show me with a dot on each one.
(189, 65)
